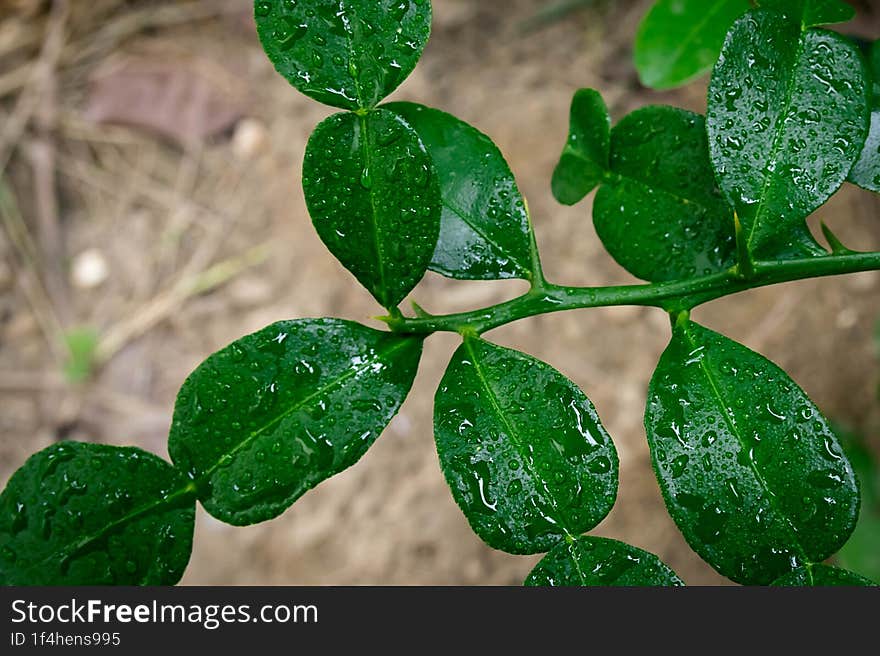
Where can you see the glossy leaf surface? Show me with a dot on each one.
(91, 514)
(660, 213)
(866, 172)
(679, 40)
(344, 53)
(787, 119)
(592, 561)
(522, 449)
(813, 12)
(374, 200)
(484, 229)
(750, 470)
(584, 159)
(266, 419)
(822, 576)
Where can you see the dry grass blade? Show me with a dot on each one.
(166, 303)
(40, 77)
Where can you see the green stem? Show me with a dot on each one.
(676, 295)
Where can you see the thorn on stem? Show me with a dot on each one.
(837, 247)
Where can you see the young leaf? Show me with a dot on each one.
(374, 200)
(659, 213)
(484, 229)
(91, 514)
(584, 159)
(522, 449)
(866, 172)
(590, 561)
(822, 576)
(787, 119)
(344, 53)
(679, 40)
(750, 470)
(813, 12)
(266, 419)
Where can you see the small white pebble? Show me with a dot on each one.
(249, 138)
(847, 318)
(89, 269)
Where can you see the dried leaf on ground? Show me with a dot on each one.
(186, 102)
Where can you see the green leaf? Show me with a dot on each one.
(522, 449)
(374, 200)
(484, 229)
(584, 159)
(590, 561)
(750, 470)
(660, 214)
(679, 40)
(787, 119)
(822, 576)
(344, 53)
(812, 12)
(90, 514)
(266, 419)
(866, 172)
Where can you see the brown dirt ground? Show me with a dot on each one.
(162, 215)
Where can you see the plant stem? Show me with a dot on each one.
(675, 295)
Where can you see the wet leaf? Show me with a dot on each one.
(822, 576)
(679, 40)
(866, 172)
(592, 561)
(344, 53)
(659, 212)
(522, 449)
(484, 229)
(813, 12)
(91, 514)
(787, 119)
(374, 200)
(584, 159)
(749, 468)
(273, 414)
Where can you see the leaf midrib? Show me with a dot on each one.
(716, 9)
(374, 215)
(619, 177)
(69, 549)
(734, 430)
(349, 39)
(353, 371)
(513, 433)
(777, 139)
(473, 226)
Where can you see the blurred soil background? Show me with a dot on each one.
(152, 212)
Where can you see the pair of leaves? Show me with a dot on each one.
(258, 424)
(787, 120)
(531, 466)
(397, 190)
(679, 40)
(750, 470)
(658, 211)
(405, 188)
